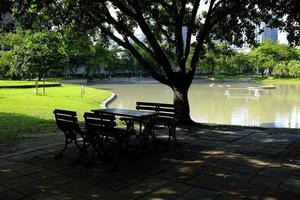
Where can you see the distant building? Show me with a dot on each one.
(262, 33)
(184, 34)
(266, 33)
(7, 22)
(270, 34)
(6, 18)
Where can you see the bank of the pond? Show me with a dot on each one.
(22, 112)
(289, 81)
(26, 84)
(202, 79)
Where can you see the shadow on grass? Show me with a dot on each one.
(14, 125)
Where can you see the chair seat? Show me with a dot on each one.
(117, 133)
(166, 116)
(82, 128)
(164, 121)
(67, 122)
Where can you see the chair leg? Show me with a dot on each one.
(76, 143)
(106, 155)
(153, 133)
(78, 159)
(148, 131)
(169, 139)
(60, 155)
(117, 162)
(91, 160)
(172, 133)
(83, 150)
(174, 136)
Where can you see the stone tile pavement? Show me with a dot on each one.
(220, 163)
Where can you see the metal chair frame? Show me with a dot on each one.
(67, 122)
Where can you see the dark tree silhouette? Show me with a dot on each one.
(176, 52)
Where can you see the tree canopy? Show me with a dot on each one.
(269, 53)
(28, 54)
(39, 54)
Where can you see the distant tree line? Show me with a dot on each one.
(266, 59)
(278, 60)
(27, 55)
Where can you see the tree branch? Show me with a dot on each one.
(191, 26)
(122, 28)
(145, 64)
(174, 3)
(168, 7)
(207, 27)
(179, 36)
(127, 45)
(160, 55)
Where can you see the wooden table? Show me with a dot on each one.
(127, 113)
(144, 118)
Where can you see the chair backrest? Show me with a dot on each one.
(66, 120)
(163, 109)
(97, 122)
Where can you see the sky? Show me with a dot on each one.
(282, 37)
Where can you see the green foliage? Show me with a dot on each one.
(281, 69)
(31, 54)
(221, 59)
(126, 62)
(287, 69)
(294, 68)
(281, 60)
(268, 53)
(81, 49)
(38, 54)
(161, 23)
(244, 63)
(99, 57)
(120, 60)
(8, 41)
(76, 48)
(5, 63)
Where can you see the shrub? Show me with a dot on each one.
(281, 69)
(294, 68)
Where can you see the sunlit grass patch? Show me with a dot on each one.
(24, 112)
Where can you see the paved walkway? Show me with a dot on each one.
(214, 163)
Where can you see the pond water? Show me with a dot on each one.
(222, 103)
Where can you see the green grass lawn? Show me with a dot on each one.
(22, 112)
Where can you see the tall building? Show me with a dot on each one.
(269, 33)
(6, 22)
(263, 32)
(6, 18)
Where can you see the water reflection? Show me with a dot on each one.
(210, 103)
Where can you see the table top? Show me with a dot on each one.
(126, 112)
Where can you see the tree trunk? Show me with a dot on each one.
(40, 76)
(181, 103)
